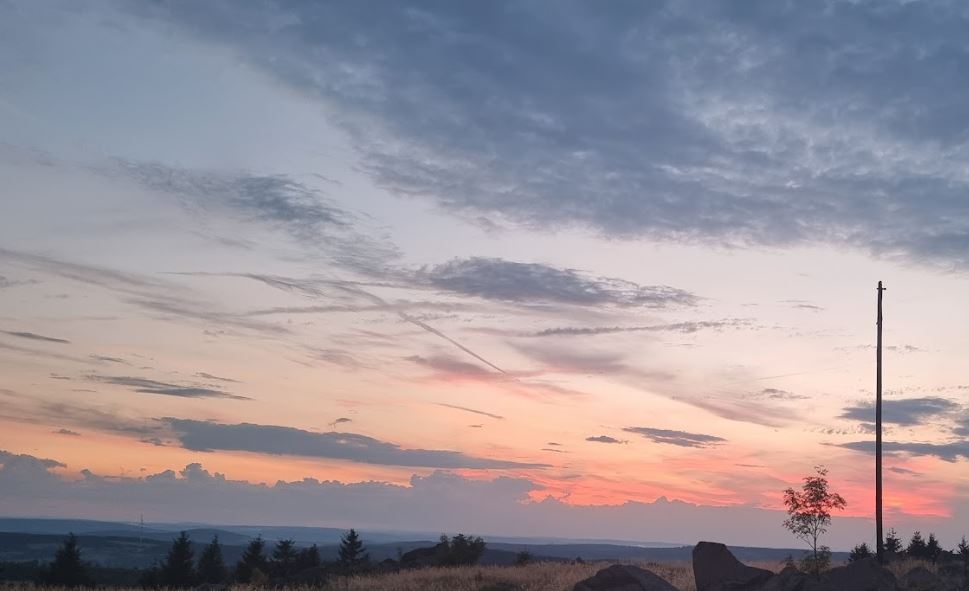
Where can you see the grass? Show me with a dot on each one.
(538, 576)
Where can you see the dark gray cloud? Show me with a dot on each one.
(509, 281)
(278, 440)
(779, 394)
(681, 327)
(603, 439)
(949, 452)
(67, 432)
(905, 412)
(471, 410)
(147, 386)
(208, 376)
(34, 336)
(738, 122)
(679, 438)
(11, 461)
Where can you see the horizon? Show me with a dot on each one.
(553, 269)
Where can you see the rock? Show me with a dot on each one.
(789, 579)
(622, 577)
(861, 575)
(920, 579)
(716, 569)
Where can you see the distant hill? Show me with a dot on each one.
(133, 546)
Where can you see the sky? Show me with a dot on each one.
(512, 268)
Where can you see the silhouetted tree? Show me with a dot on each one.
(67, 569)
(179, 569)
(809, 515)
(893, 544)
(858, 552)
(962, 551)
(252, 566)
(524, 557)
(916, 546)
(284, 559)
(308, 558)
(353, 555)
(933, 549)
(211, 566)
(464, 550)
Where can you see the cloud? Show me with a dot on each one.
(768, 124)
(471, 410)
(778, 394)
(679, 438)
(743, 411)
(949, 452)
(682, 327)
(440, 501)
(66, 432)
(508, 281)
(905, 412)
(34, 336)
(208, 376)
(603, 439)
(147, 386)
(11, 460)
(279, 440)
(277, 200)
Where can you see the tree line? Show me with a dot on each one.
(260, 565)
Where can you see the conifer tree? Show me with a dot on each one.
(252, 565)
(211, 567)
(353, 555)
(68, 570)
(916, 546)
(893, 544)
(308, 558)
(932, 548)
(284, 558)
(179, 568)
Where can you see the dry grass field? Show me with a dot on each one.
(539, 576)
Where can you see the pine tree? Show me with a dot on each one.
(308, 558)
(893, 544)
(252, 565)
(352, 553)
(933, 549)
(211, 567)
(284, 558)
(963, 552)
(916, 546)
(179, 567)
(68, 570)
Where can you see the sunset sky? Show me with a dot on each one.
(595, 270)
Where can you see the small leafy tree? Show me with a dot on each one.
(917, 547)
(252, 566)
(179, 569)
(353, 555)
(523, 558)
(68, 570)
(858, 552)
(211, 566)
(464, 550)
(809, 515)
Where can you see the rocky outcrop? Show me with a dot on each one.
(716, 569)
(861, 575)
(622, 577)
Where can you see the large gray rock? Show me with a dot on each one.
(920, 579)
(622, 577)
(861, 575)
(716, 569)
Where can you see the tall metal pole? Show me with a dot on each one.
(880, 547)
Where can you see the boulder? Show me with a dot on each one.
(861, 575)
(622, 577)
(716, 569)
(920, 579)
